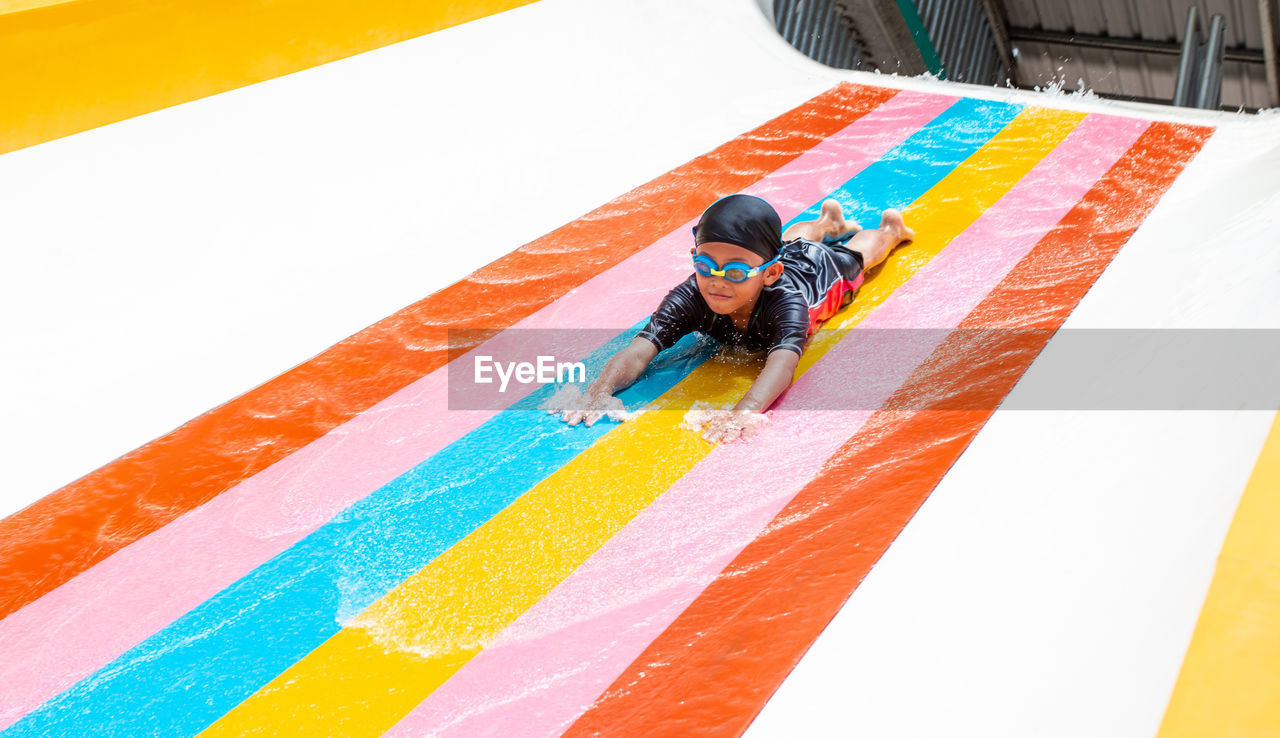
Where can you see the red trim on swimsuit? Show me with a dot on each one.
(834, 300)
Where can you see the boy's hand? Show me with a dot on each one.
(594, 405)
(575, 407)
(719, 425)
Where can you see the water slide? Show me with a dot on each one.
(1025, 484)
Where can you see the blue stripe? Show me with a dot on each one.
(906, 172)
(202, 665)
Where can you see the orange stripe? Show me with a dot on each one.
(61, 535)
(750, 627)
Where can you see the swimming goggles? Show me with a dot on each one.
(734, 271)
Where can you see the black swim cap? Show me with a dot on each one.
(742, 220)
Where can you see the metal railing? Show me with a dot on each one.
(1199, 82)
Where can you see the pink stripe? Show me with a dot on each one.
(87, 622)
(550, 665)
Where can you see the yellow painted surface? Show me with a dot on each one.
(405, 645)
(70, 66)
(1229, 686)
(17, 6)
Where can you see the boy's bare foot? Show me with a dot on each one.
(892, 224)
(832, 220)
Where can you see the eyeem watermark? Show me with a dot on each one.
(913, 369)
(498, 370)
(542, 370)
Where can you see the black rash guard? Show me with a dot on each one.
(817, 280)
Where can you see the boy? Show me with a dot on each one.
(755, 286)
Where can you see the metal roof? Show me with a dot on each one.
(1117, 48)
(1055, 53)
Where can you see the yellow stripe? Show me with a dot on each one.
(71, 66)
(388, 659)
(1230, 681)
(14, 6)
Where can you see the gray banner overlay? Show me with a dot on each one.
(969, 369)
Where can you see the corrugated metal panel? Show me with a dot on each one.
(963, 39)
(821, 29)
(1138, 75)
(1157, 21)
(1119, 73)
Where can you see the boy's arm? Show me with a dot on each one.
(624, 368)
(744, 418)
(775, 377)
(675, 317)
(621, 370)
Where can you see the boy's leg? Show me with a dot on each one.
(874, 245)
(830, 224)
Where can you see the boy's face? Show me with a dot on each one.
(735, 299)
